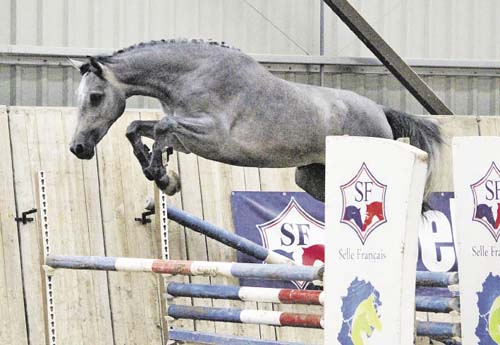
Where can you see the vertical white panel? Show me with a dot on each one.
(439, 29)
(258, 29)
(104, 24)
(187, 18)
(162, 19)
(233, 14)
(26, 22)
(132, 24)
(52, 22)
(6, 21)
(78, 19)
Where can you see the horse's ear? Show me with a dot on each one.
(75, 63)
(96, 67)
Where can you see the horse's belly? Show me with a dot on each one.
(266, 156)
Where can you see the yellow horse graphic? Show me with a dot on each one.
(365, 320)
(494, 321)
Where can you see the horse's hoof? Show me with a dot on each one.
(170, 183)
(174, 183)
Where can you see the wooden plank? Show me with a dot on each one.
(13, 328)
(123, 190)
(26, 160)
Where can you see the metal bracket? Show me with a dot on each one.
(24, 219)
(144, 217)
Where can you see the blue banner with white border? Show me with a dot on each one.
(292, 224)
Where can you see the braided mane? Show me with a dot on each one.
(172, 41)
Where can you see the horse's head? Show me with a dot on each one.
(101, 101)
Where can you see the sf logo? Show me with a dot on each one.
(363, 203)
(486, 195)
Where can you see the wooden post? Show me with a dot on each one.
(476, 164)
(374, 190)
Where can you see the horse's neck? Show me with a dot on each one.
(152, 74)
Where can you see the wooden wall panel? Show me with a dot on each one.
(41, 143)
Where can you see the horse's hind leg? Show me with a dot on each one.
(311, 178)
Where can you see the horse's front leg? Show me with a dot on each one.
(168, 182)
(135, 131)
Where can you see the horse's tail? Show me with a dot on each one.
(423, 133)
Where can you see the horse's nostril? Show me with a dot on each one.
(77, 149)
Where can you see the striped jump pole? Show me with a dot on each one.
(246, 294)
(248, 316)
(188, 268)
(228, 238)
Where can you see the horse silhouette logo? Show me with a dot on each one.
(360, 313)
(486, 193)
(488, 328)
(363, 203)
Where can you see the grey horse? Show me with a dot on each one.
(221, 104)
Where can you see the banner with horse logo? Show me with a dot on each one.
(476, 210)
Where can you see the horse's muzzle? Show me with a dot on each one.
(82, 151)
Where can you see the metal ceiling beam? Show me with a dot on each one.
(394, 63)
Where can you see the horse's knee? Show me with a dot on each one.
(164, 126)
(132, 129)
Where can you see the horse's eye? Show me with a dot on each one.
(96, 98)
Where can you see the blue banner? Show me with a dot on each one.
(292, 224)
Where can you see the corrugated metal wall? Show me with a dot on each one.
(461, 29)
(466, 91)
